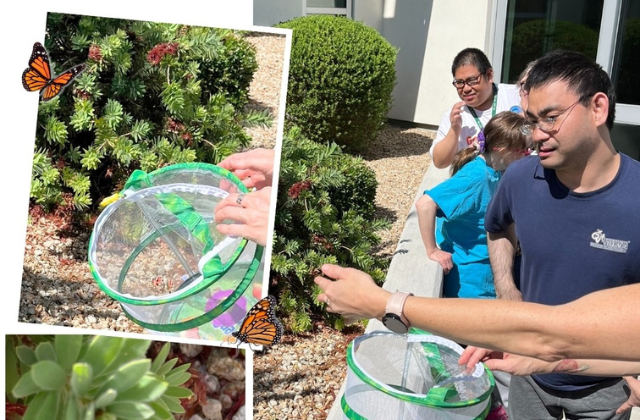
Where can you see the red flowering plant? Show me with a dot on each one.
(153, 94)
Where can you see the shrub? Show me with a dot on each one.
(324, 215)
(153, 94)
(341, 77)
(80, 377)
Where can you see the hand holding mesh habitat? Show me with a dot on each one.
(157, 250)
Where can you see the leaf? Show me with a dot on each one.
(102, 351)
(12, 376)
(133, 349)
(178, 392)
(161, 411)
(26, 355)
(48, 375)
(166, 368)
(149, 388)
(128, 375)
(45, 351)
(68, 348)
(129, 410)
(25, 386)
(81, 378)
(35, 406)
(49, 408)
(160, 358)
(71, 409)
(106, 398)
(173, 404)
(107, 416)
(90, 412)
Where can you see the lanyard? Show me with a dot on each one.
(493, 109)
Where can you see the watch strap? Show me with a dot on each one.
(395, 305)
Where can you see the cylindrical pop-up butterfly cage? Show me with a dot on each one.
(157, 251)
(412, 377)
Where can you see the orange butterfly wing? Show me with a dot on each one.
(56, 85)
(261, 326)
(38, 75)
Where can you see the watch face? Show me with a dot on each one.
(394, 323)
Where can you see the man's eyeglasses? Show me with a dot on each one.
(471, 81)
(524, 152)
(546, 124)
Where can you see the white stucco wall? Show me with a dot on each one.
(272, 12)
(428, 34)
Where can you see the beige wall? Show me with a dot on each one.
(272, 12)
(428, 34)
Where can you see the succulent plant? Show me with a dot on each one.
(75, 377)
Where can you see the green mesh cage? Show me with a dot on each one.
(157, 251)
(412, 376)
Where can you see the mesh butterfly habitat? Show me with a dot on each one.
(157, 252)
(152, 95)
(417, 376)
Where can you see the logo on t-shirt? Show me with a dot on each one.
(602, 242)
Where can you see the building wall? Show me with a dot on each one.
(428, 35)
(272, 12)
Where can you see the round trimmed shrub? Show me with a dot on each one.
(341, 77)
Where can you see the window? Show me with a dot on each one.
(606, 30)
(328, 7)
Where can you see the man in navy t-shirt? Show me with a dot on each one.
(576, 212)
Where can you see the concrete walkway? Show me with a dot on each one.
(412, 271)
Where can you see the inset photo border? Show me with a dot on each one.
(126, 150)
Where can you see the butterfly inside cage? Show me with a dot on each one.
(260, 326)
(38, 75)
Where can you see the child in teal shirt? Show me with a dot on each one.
(461, 203)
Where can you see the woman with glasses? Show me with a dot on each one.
(480, 98)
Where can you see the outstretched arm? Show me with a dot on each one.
(594, 326)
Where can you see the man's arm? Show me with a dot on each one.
(502, 247)
(594, 326)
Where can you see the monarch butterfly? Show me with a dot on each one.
(38, 75)
(260, 326)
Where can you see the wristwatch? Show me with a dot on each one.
(393, 318)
